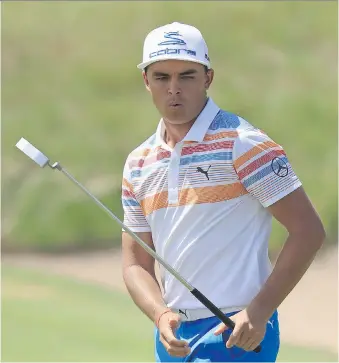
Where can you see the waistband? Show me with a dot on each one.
(203, 313)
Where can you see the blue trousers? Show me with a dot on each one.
(206, 347)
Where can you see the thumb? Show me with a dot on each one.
(174, 321)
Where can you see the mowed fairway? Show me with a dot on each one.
(56, 319)
(49, 318)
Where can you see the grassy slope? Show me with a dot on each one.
(55, 319)
(70, 85)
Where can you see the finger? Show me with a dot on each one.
(170, 338)
(244, 339)
(220, 329)
(174, 342)
(246, 345)
(234, 337)
(179, 352)
(252, 346)
(174, 350)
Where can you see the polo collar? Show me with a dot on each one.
(198, 130)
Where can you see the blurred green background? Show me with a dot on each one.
(71, 87)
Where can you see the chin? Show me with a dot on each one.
(177, 120)
(176, 117)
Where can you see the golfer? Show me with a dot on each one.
(202, 191)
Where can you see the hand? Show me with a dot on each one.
(167, 325)
(247, 333)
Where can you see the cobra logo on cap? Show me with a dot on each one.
(173, 39)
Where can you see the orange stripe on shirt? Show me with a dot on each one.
(140, 153)
(200, 195)
(221, 135)
(157, 201)
(215, 194)
(253, 152)
(127, 184)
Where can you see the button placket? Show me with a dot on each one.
(173, 174)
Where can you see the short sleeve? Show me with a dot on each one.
(263, 167)
(134, 218)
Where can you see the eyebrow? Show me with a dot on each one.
(190, 71)
(186, 73)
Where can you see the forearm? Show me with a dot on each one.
(292, 263)
(144, 290)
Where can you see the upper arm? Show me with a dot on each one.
(265, 171)
(134, 219)
(134, 254)
(297, 214)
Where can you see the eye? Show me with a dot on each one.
(188, 77)
(161, 78)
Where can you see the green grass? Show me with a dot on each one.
(55, 319)
(70, 85)
(48, 318)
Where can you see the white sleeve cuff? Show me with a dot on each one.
(283, 194)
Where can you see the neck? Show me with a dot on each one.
(175, 133)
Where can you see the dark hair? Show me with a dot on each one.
(205, 67)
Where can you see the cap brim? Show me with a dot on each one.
(143, 65)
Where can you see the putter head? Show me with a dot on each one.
(32, 152)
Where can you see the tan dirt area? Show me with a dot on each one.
(308, 316)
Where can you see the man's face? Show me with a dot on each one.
(178, 89)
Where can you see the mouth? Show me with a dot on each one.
(175, 105)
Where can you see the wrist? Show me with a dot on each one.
(159, 313)
(259, 311)
(158, 308)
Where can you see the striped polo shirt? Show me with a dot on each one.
(205, 202)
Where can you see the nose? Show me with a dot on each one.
(174, 87)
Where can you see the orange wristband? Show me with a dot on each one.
(168, 310)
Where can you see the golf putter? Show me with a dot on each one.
(42, 160)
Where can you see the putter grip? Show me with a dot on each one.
(217, 312)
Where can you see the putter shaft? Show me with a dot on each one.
(42, 160)
(130, 232)
(195, 292)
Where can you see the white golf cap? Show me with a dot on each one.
(175, 41)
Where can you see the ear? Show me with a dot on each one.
(209, 78)
(144, 75)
